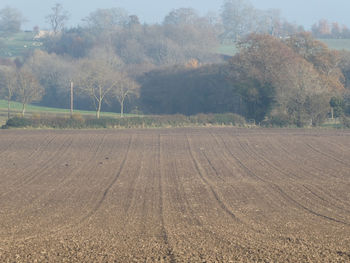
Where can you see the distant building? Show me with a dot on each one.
(43, 34)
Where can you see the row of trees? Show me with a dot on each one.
(189, 91)
(295, 81)
(289, 81)
(21, 84)
(45, 77)
(11, 20)
(240, 18)
(292, 80)
(325, 29)
(172, 67)
(110, 50)
(177, 40)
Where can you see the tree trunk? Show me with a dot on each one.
(23, 109)
(332, 113)
(98, 109)
(71, 98)
(122, 108)
(8, 109)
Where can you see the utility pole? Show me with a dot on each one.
(71, 98)
(332, 113)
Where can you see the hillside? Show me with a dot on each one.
(38, 110)
(16, 45)
(337, 44)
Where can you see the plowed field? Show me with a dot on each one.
(175, 195)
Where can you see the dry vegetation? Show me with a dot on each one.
(176, 195)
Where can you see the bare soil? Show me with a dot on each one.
(175, 195)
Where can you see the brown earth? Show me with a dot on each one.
(176, 195)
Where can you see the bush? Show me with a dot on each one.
(338, 105)
(18, 122)
(345, 121)
(229, 119)
(220, 119)
(97, 123)
(36, 116)
(77, 121)
(277, 120)
(78, 117)
(347, 109)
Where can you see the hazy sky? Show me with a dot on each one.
(304, 12)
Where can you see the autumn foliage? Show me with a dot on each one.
(301, 74)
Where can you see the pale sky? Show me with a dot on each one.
(305, 12)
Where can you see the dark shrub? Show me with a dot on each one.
(18, 122)
(229, 119)
(345, 121)
(78, 121)
(278, 120)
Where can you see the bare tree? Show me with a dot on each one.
(106, 19)
(181, 16)
(55, 74)
(29, 90)
(11, 20)
(96, 81)
(123, 88)
(106, 54)
(58, 18)
(237, 16)
(8, 84)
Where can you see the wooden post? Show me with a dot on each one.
(332, 113)
(71, 98)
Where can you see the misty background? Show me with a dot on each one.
(301, 12)
(268, 62)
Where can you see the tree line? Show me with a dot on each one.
(46, 77)
(104, 56)
(294, 81)
(236, 18)
(279, 75)
(324, 29)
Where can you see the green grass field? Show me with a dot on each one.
(228, 50)
(16, 109)
(15, 45)
(337, 44)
